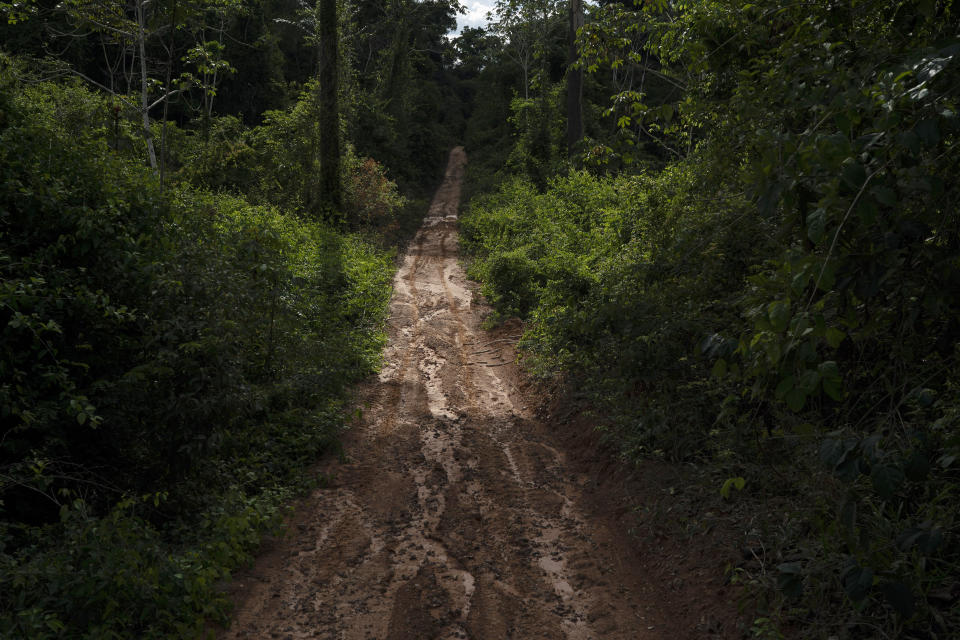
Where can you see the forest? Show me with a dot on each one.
(730, 230)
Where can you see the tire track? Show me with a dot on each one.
(456, 518)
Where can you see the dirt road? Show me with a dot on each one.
(455, 515)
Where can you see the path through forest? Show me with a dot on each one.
(456, 514)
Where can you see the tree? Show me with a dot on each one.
(525, 26)
(574, 78)
(139, 44)
(329, 105)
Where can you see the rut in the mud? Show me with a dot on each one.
(455, 517)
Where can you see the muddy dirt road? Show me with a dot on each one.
(455, 515)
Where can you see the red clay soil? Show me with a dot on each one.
(460, 513)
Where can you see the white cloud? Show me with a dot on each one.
(476, 15)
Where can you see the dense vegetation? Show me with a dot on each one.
(751, 263)
(731, 226)
(182, 307)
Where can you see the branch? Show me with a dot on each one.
(108, 28)
(836, 236)
(105, 88)
(676, 83)
(164, 97)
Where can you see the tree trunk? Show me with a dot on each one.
(574, 80)
(144, 95)
(166, 89)
(329, 110)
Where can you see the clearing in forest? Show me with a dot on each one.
(457, 514)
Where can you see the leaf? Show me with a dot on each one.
(729, 484)
(834, 337)
(857, 582)
(779, 314)
(800, 282)
(817, 225)
(908, 539)
(925, 539)
(886, 480)
(773, 351)
(833, 388)
(867, 209)
(853, 173)
(849, 469)
(827, 277)
(785, 385)
(910, 140)
(795, 399)
(831, 379)
(809, 381)
(831, 452)
(719, 368)
(840, 456)
(790, 579)
(843, 122)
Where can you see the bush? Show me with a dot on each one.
(173, 361)
(781, 301)
(277, 163)
(617, 284)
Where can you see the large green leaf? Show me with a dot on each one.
(831, 380)
(886, 480)
(854, 174)
(779, 315)
(857, 582)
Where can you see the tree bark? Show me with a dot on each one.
(166, 88)
(332, 199)
(144, 95)
(574, 80)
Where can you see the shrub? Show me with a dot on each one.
(173, 361)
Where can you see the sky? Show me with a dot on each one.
(476, 15)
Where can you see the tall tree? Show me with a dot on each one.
(574, 79)
(329, 107)
(525, 26)
(134, 52)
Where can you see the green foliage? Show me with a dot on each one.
(781, 293)
(114, 576)
(277, 163)
(173, 360)
(538, 136)
(619, 285)
(404, 101)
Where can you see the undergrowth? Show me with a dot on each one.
(644, 293)
(760, 276)
(173, 362)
